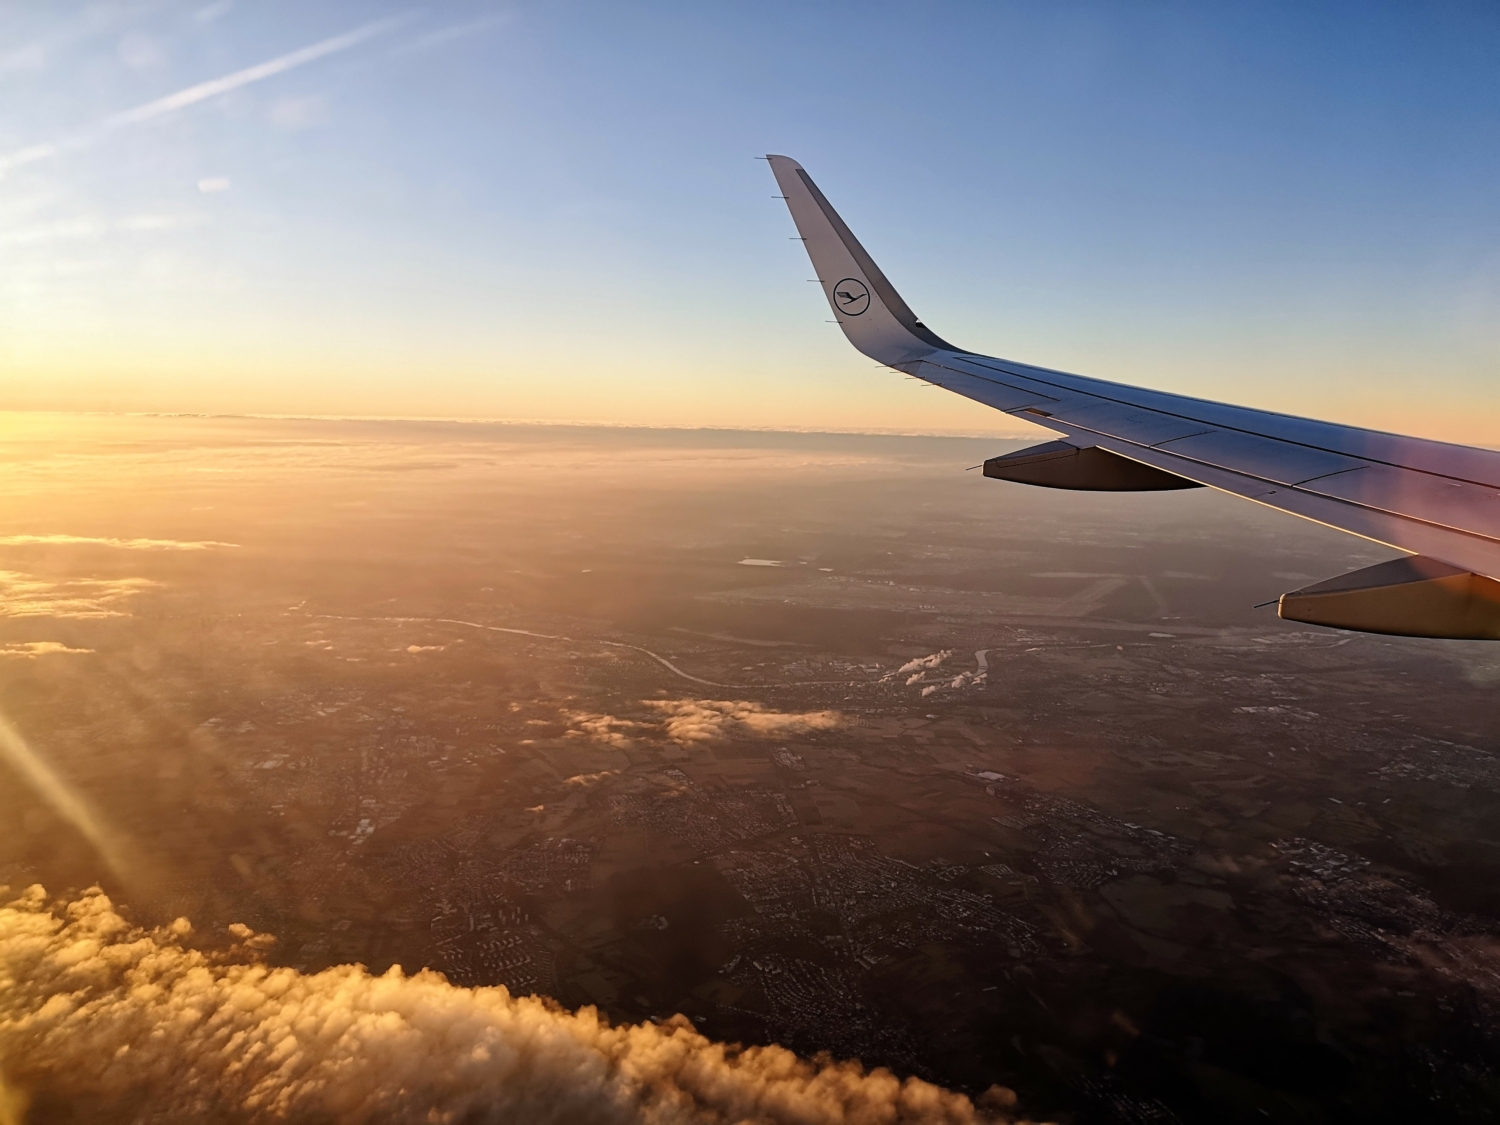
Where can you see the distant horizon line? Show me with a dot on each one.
(577, 424)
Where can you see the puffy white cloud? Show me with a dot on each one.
(132, 1025)
(922, 663)
(701, 720)
(601, 728)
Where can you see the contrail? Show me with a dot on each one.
(202, 92)
(205, 90)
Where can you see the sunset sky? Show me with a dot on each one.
(552, 210)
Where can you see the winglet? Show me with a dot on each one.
(874, 317)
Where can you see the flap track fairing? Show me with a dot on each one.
(1410, 597)
(1057, 464)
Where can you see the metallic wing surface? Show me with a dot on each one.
(1436, 501)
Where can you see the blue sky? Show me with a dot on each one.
(552, 210)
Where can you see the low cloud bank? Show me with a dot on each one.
(30, 650)
(124, 1024)
(601, 728)
(702, 720)
(122, 544)
(26, 595)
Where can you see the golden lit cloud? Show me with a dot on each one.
(100, 541)
(601, 728)
(101, 1014)
(701, 720)
(32, 649)
(25, 595)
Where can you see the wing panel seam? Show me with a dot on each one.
(1276, 486)
(1226, 427)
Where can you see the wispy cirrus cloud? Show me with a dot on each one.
(211, 12)
(90, 229)
(90, 20)
(451, 33)
(279, 65)
(201, 92)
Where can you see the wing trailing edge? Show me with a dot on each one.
(1438, 502)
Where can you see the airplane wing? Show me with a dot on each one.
(1439, 502)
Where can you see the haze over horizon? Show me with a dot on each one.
(551, 212)
(478, 645)
(696, 778)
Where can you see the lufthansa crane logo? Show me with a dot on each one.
(851, 296)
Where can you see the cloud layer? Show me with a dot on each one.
(124, 544)
(602, 728)
(26, 595)
(30, 650)
(131, 1025)
(702, 720)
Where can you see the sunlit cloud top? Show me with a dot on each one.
(106, 541)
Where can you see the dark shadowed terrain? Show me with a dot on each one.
(817, 740)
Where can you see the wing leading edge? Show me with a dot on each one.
(1437, 501)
